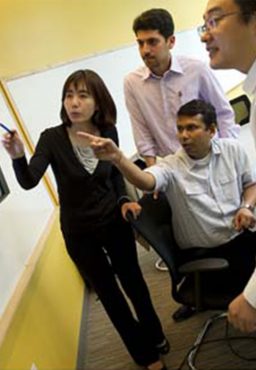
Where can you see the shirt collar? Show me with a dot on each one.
(190, 163)
(175, 67)
(249, 84)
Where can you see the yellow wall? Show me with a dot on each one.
(46, 325)
(39, 33)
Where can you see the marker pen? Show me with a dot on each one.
(6, 129)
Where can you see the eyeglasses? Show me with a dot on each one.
(213, 22)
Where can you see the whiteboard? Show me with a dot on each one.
(38, 96)
(23, 218)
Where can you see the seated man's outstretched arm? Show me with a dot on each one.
(106, 149)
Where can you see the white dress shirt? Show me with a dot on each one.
(205, 194)
(250, 88)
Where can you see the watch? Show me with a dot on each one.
(248, 206)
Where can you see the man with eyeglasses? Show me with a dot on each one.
(229, 33)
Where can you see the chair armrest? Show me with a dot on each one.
(129, 216)
(205, 264)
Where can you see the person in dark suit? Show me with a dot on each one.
(91, 194)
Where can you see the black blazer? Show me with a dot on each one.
(87, 201)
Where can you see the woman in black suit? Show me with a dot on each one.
(91, 193)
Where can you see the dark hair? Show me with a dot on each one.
(197, 106)
(247, 8)
(105, 115)
(155, 19)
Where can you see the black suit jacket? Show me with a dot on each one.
(87, 201)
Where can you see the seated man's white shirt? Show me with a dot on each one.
(205, 194)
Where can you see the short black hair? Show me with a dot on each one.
(105, 115)
(155, 19)
(197, 106)
(247, 8)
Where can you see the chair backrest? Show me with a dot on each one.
(155, 225)
(241, 106)
(134, 193)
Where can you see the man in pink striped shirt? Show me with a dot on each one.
(155, 91)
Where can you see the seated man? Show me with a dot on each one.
(214, 184)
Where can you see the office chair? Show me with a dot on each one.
(241, 106)
(135, 194)
(187, 284)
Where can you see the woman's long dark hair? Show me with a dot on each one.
(105, 114)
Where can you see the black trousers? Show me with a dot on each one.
(88, 251)
(240, 252)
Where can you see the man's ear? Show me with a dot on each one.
(171, 41)
(213, 129)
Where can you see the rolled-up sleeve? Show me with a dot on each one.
(162, 174)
